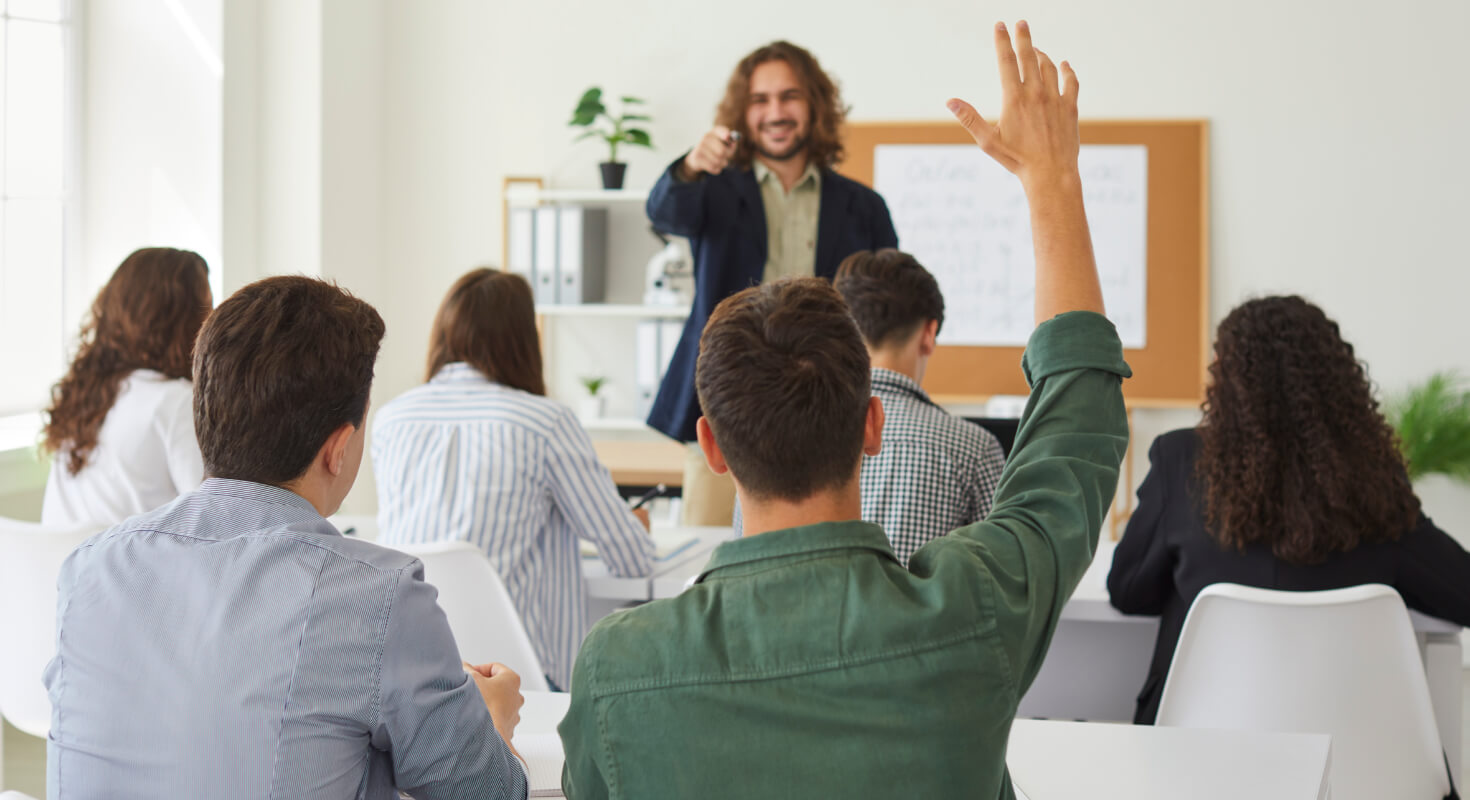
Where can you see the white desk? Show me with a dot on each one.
(1087, 759)
(1073, 759)
(668, 577)
(1099, 658)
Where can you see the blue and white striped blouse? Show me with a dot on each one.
(465, 458)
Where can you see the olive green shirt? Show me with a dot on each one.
(810, 663)
(791, 222)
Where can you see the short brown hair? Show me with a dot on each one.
(824, 139)
(488, 320)
(278, 367)
(146, 317)
(890, 294)
(784, 384)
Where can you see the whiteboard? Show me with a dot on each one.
(964, 217)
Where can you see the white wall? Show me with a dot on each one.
(151, 126)
(1338, 163)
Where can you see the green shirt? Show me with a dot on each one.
(791, 222)
(809, 663)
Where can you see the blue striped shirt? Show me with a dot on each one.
(234, 644)
(464, 458)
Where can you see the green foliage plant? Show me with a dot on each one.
(1433, 425)
(593, 384)
(613, 130)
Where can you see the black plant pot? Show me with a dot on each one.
(612, 174)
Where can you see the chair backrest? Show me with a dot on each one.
(484, 621)
(30, 561)
(1342, 662)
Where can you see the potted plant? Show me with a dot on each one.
(594, 404)
(1433, 424)
(589, 110)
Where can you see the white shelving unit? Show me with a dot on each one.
(526, 195)
(613, 310)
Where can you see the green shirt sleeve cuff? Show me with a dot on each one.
(1070, 341)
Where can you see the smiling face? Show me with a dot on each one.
(778, 114)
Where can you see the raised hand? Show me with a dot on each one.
(1036, 136)
(1037, 139)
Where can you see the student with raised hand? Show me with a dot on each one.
(936, 472)
(119, 426)
(806, 661)
(479, 454)
(233, 643)
(1291, 481)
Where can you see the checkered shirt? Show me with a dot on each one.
(936, 472)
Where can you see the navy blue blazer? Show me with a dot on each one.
(725, 222)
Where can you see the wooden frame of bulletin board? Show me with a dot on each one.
(1169, 372)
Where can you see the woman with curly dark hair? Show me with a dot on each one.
(1291, 481)
(121, 424)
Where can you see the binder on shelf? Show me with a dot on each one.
(521, 247)
(544, 255)
(655, 343)
(581, 255)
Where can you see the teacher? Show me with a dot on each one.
(758, 200)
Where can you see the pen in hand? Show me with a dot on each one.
(657, 491)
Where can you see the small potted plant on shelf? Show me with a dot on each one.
(594, 404)
(1433, 424)
(589, 110)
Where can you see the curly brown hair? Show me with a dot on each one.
(1294, 452)
(824, 142)
(146, 317)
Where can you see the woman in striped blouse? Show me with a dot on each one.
(480, 454)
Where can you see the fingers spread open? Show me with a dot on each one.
(1026, 54)
(1048, 73)
(1010, 74)
(981, 131)
(1069, 83)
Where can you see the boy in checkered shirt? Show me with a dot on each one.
(936, 472)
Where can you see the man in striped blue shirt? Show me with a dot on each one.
(233, 643)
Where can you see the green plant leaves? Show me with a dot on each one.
(588, 107)
(1433, 425)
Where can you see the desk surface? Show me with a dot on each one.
(1098, 760)
(668, 578)
(642, 463)
(1075, 759)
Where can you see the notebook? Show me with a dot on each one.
(543, 756)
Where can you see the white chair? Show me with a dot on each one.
(15, 796)
(484, 621)
(30, 561)
(1342, 662)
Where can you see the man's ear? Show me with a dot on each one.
(928, 338)
(709, 447)
(333, 454)
(873, 428)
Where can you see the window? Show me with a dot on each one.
(37, 155)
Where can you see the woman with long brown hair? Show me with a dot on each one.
(121, 423)
(479, 454)
(1292, 481)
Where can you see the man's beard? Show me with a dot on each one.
(797, 146)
